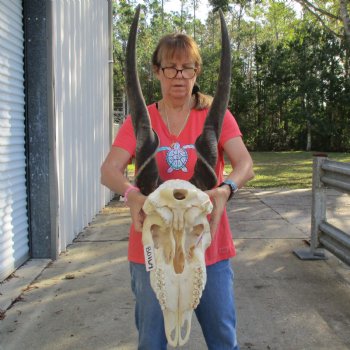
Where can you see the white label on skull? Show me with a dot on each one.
(149, 257)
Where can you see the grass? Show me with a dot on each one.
(282, 169)
(286, 169)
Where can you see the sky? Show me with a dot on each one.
(204, 8)
(201, 12)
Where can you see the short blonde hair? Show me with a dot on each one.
(177, 44)
(173, 45)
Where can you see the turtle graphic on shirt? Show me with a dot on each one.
(176, 156)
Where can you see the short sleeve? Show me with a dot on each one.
(230, 128)
(126, 137)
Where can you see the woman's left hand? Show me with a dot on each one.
(219, 197)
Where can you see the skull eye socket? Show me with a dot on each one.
(155, 230)
(197, 230)
(162, 239)
(180, 194)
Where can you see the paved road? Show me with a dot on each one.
(83, 300)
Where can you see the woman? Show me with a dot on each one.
(178, 120)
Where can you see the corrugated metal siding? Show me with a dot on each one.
(80, 60)
(14, 248)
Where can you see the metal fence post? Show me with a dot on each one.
(319, 203)
(318, 212)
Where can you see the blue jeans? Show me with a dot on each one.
(215, 313)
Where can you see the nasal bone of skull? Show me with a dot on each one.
(179, 258)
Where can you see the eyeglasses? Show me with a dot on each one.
(171, 72)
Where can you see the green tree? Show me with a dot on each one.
(290, 81)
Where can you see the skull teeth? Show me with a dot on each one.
(160, 288)
(198, 286)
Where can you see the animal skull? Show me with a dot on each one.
(176, 227)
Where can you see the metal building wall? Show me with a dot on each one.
(81, 108)
(14, 247)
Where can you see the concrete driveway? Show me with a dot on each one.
(83, 300)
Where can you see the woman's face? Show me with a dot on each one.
(178, 87)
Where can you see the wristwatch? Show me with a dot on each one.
(233, 187)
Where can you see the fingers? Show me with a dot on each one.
(138, 217)
(210, 193)
(218, 197)
(214, 223)
(135, 203)
(137, 220)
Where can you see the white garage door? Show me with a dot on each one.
(14, 247)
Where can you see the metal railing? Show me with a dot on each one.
(327, 174)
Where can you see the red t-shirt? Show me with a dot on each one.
(222, 246)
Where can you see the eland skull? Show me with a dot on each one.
(176, 231)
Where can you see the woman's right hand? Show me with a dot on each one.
(112, 176)
(135, 203)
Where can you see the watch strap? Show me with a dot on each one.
(232, 185)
